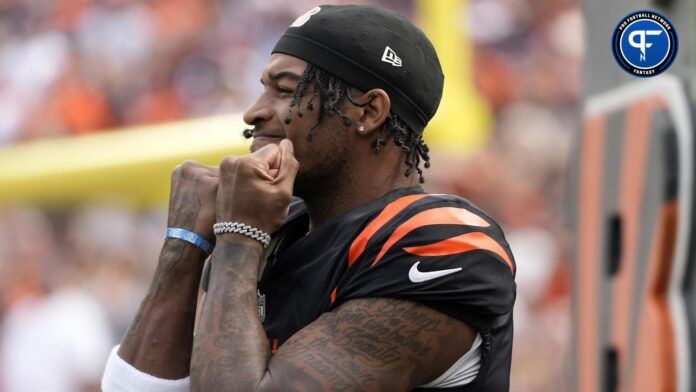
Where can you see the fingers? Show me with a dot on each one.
(270, 154)
(289, 165)
(213, 171)
(268, 161)
(191, 168)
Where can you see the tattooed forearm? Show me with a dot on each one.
(337, 374)
(370, 347)
(322, 355)
(231, 348)
(370, 344)
(160, 337)
(170, 257)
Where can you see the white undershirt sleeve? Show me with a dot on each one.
(463, 371)
(120, 376)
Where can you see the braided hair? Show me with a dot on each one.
(331, 91)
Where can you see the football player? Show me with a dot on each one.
(332, 268)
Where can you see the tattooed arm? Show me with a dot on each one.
(366, 344)
(375, 344)
(160, 337)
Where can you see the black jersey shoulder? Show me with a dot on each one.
(416, 237)
(440, 220)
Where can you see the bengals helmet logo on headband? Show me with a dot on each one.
(305, 17)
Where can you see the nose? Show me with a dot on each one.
(258, 112)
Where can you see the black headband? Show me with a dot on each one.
(370, 47)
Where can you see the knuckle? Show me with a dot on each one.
(186, 168)
(228, 163)
(190, 164)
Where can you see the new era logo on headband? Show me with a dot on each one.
(389, 56)
(305, 17)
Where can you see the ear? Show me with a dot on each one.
(373, 109)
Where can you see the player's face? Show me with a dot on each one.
(319, 157)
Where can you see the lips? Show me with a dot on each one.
(273, 134)
(269, 136)
(262, 138)
(256, 131)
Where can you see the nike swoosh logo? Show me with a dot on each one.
(418, 276)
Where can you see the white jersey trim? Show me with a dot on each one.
(463, 371)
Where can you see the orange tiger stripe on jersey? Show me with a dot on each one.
(275, 346)
(393, 208)
(460, 244)
(435, 216)
(333, 295)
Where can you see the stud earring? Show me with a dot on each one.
(361, 129)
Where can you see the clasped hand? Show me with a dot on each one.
(254, 189)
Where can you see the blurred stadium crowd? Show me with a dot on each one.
(70, 281)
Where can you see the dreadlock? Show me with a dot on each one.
(331, 91)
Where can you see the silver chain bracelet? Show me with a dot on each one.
(241, 228)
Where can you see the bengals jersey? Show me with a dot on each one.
(391, 247)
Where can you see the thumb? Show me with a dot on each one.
(268, 157)
(270, 153)
(288, 163)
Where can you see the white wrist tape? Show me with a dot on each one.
(121, 376)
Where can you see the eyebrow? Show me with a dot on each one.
(284, 74)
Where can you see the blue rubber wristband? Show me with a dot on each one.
(189, 236)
